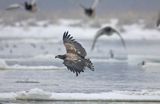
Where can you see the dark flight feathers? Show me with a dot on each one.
(74, 59)
(73, 46)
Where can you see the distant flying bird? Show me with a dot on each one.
(74, 59)
(28, 6)
(108, 31)
(158, 21)
(90, 12)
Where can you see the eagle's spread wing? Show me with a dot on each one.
(122, 40)
(95, 3)
(95, 40)
(33, 2)
(75, 66)
(98, 34)
(14, 6)
(73, 46)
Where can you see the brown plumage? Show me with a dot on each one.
(74, 59)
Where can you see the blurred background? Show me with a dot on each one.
(126, 10)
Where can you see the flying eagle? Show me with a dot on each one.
(74, 59)
(28, 6)
(108, 31)
(158, 21)
(90, 12)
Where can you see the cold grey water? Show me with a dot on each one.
(25, 71)
(30, 64)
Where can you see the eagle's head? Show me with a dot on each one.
(60, 56)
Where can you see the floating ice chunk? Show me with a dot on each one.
(68, 21)
(8, 96)
(43, 23)
(33, 94)
(35, 67)
(151, 66)
(3, 64)
(108, 96)
(37, 94)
